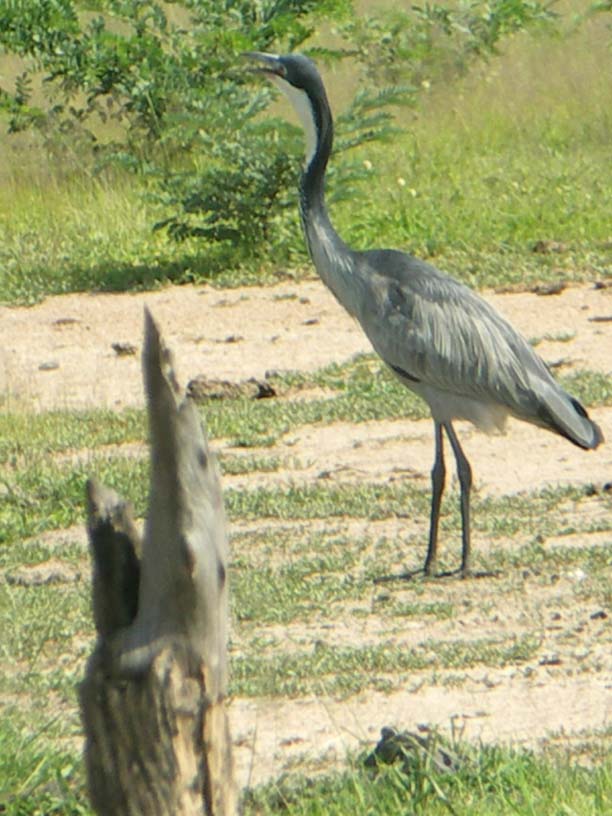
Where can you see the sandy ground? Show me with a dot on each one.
(510, 710)
(59, 354)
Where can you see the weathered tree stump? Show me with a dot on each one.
(152, 702)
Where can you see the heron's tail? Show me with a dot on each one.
(563, 414)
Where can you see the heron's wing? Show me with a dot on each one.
(440, 333)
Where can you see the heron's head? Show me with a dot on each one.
(291, 71)
(298, 78)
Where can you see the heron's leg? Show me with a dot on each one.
(438, 474)
(465, 481)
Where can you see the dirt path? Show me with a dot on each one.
(59, 355)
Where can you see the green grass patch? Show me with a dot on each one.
(294, 591)
(515, 152)
(44, 495)
(591, 387)
(326, 501)
(361, 389)
(557, 337)
(529, 514)
(272, 585)
(441, 610)
(242, 465)
(23, 435)
(489, 780)
(39, 777)
(365, 390)
(493, 781)
(343, 671)
(42, 623)
(74, 233)
(537, 556)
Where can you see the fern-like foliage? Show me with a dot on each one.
(184, 110)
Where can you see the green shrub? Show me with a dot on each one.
(159, 88)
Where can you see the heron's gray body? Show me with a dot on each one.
(440, 338)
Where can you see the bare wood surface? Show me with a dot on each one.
(152, 702)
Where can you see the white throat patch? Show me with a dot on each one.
(301, 103)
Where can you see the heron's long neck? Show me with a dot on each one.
(332, 258)
(319, 141)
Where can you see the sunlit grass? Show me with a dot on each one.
(46, 458)
(515, 153)
(286, 579)
(360, 390)
(93, 234)
(495, 782)
(485, 166)
(327, 669)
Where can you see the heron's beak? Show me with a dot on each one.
(266, 63)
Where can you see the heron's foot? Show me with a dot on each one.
(423, 574)
(467, 572)
(402, 576)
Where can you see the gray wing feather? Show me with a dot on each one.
(443, 334)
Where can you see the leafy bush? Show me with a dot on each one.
(159, 89)
(179, 100)
(435, 41)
